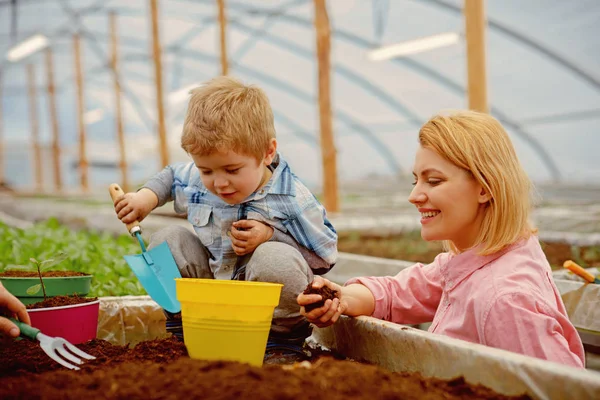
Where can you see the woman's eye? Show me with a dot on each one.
(434, 182)
(414, 183)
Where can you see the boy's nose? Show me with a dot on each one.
(221, 183)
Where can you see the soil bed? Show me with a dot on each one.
(411, 247)
(161, 369)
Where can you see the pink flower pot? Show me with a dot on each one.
(76, 323)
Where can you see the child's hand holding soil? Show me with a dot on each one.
(325, 292)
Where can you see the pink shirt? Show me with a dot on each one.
(506, 300)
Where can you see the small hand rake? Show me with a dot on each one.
(56, 348)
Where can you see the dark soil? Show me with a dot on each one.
(26, 357)
(160, 369)
(59, 301)
(411, 247)
(46, 274)
(325, 292)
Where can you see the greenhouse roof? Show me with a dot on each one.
(543, 75)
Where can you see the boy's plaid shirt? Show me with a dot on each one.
(283, 203)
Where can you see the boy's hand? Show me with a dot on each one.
(135, 206)
(247, 235)
(330, 312)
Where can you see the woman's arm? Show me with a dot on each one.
(410, 297)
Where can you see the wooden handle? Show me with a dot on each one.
(576, 269)
(115, 192)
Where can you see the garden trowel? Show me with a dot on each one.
(155, 268)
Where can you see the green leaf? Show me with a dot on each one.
(53, 261)
(16, 250)
(131, 288)
(34, 289)
(33, 260)
(18, 267)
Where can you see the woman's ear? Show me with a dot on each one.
(484, 196)
(271, 152)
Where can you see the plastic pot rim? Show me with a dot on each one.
(63, 307)
(47, 277)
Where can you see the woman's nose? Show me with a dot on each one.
(417, 196)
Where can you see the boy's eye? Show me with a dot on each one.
(232, 171)
(205, 172)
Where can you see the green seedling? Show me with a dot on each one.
(41, 266)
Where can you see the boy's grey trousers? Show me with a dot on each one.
(270, 262)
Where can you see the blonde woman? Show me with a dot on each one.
(493, 286)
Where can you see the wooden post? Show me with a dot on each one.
(223, 29)
(114, 60)
(83, 164)
(475, 23)
(1, 134)
(54, 121)
(328, 151)
(35, 129)
(162, 135)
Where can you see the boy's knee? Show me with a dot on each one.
(171, 234)
(188, 252)
(276, 252)
(273, 260)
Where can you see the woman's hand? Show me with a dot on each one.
(11, 306)
(330, 312)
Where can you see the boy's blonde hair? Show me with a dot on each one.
(223, 115)
(477, 143)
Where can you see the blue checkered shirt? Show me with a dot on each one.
(283, 203)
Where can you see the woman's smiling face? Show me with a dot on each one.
(450, 200)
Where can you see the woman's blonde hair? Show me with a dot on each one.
(477, 143)
(226, 115)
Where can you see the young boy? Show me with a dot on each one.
(253, 218)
